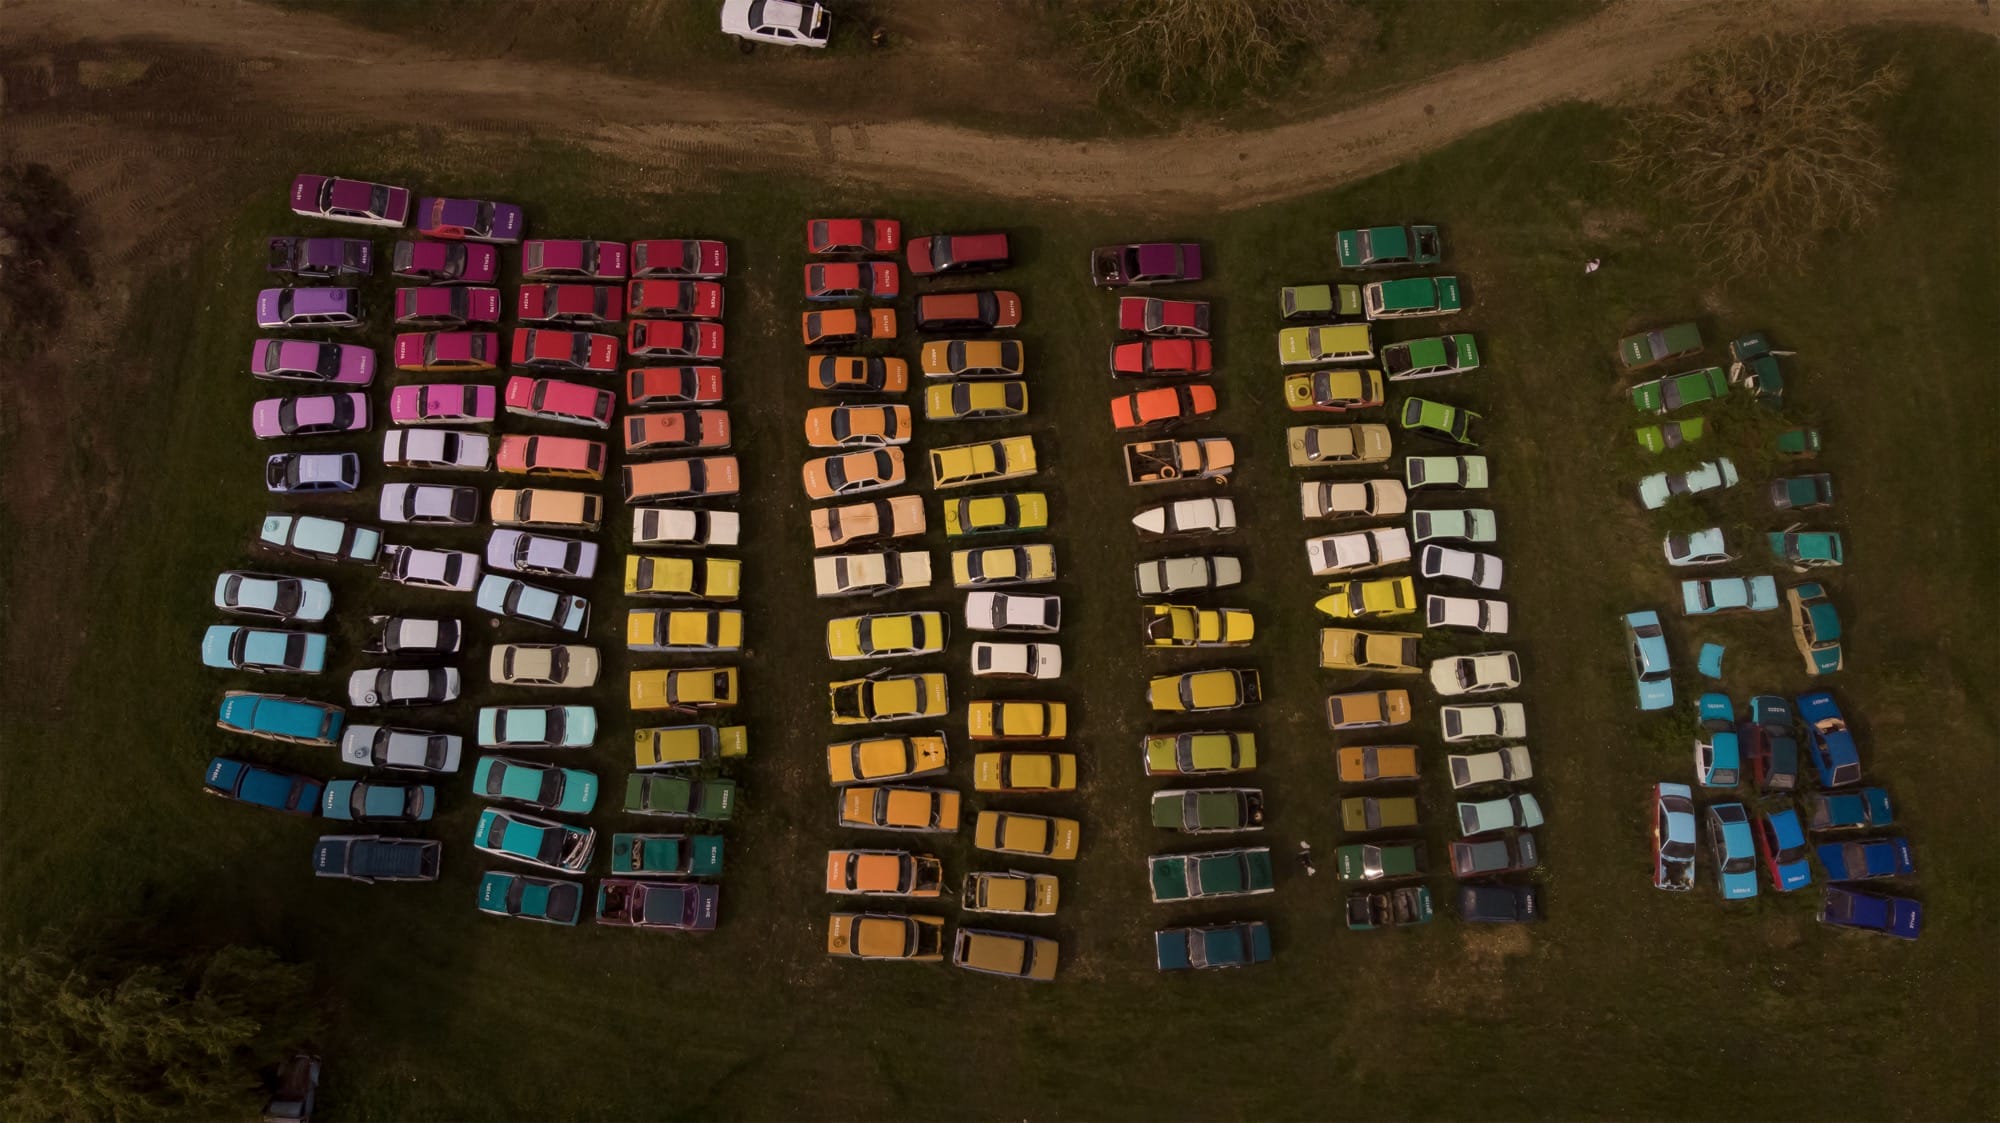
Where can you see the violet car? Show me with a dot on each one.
(444, 403)
(290, 472)
(311, 416)
(309, 308)
(447, 306)
(559, 259)
(469, 220)
(1145, 263)
(296, 360)
(448, 263)
(321, 258)
(350, 200)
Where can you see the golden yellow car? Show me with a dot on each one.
(880, 697)
(1367, 709)
(1024, 772)
(683, 687)
(973, 401)
(1367, 764)
(1005, 953)
(991, 566)
(1225, 688)
(995, 514)
(972, 358)
(1014, 893)
(1042, 836)
(683, 629)
(687, 746)
(1184, 625)
(1009, 458)
(1351, 649)
(1017, 721)
(884, 758)
(884, 873)
(926, 810)
(885, 635)
(703, 578)
(869, 935)
(1377, 596)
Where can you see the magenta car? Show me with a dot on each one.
(704, 258)
(447, 350)
(447, 263)
(443, 403)
(469, 220)
(296, 360)
(309, 308)
(564, 259)
(320, 258)
(310, 416)
(447, 306)
(350, 200)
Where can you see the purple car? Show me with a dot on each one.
(447, 306)
(310, 416)
(469, 220)
(309, 308)
(1145, 263)
(321, 257)
(443, 403)
(451, 263)
(350, 200)
(296, 360)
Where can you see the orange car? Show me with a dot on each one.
(854, 523)
(836, 326)
(856, 374)
(884, 873)
(854, 473)
(686, 478)
(857, 426)
(1168, 405)
(676, 429)
(573, 457)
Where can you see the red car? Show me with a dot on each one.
(564, 259)
(957, 253)
(699, 299)
(676, 430)
(845, 280)
(1162, 358)
(853, 235)
(1149, 315)
(661, 386)
(674, 339)
(582, 305)
(462, 263)
(702, 258)
(439, 306)
(569, 402)
(1168, 405)
(544, 349)
(447, 350)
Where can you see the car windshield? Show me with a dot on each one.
(551, 791)
(357, 801)
(378, 199)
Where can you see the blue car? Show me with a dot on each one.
(1650, 662)
(531, 898)
(544, 787)
(1769, 741)
(1734, 848)
(232, 647)
(1867, 858)
(1718, 761)
(277, 718)
(1673, 837)
(1781, 843)
(1835, 755)
(259, 786)
(536, 841)
(1869, 912)
(364, 801)
(1839, 811)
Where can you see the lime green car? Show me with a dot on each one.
(1436, 419)
(1670, 434)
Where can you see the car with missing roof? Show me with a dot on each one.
(566, 259)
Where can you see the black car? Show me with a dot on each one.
(1499, 904)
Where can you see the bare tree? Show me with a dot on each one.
(1767, 142)
(1180, 49)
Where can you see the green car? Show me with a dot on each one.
(1800, 443)
(1319, 302)
(648, 793)
(1378, 246)
(1637, 352)
(1360, 814)
(1411, 297)
(1380, 861)
(698, 855)
(1219, 873)
(1429, 358)
(1665, 395)
(1670, 434)
(1436, 419)
(1209, 810)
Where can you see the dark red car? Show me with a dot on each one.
(957, 253)
(563, 259)
(699, 299)
(1149, 315)
(440, 306)
(543, 349)
(582, 305)
(853, 235)
(678, 339)
(700, 258)
(968, 311)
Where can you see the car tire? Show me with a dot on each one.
(370, 698)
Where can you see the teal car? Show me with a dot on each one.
(1807, 549)
(1378, 246)
(1670, 434)
(1438, 420)
(231, 647)
(544, 787)
(536, 841)
(1815, 627)
(285, 599)
(691, 855)
(1411, 297)
(1799, 444)
(530, 898)
(1711, 595)
(1802, 493)
(537, 727)
(1430, 358)
(1665, 395)
(1319, 302)
(367, 801)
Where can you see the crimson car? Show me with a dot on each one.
(674, 339)
(661, 386)
(702, 258)
(853, 235)
(846, 280)
(1149, 315)
(446, 306)
(700, 299)
(543, 349)
(447, 263)
(1162, 358)
(582, 305)
(560, 259)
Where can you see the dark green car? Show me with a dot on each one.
(1378, 246)
(1444, 422)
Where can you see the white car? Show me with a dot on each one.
(1484, 673)
(454, 449)
(543, 664)
(273, 596)
(1013, 612)
(1470, 566)
(434, 504)
(387, 746)
(1504, 721)
(670, 526)
(412, 635)
(1472, 614)
(1016, 660)
(1357, 551)
(402, 686)
(1462, 524)
(782, 22)
(430, 569)
(1702, 547)
(518, 551)
(1352, 499)
(1188, 516)
(1165, 577)
(1461, 472)
(1505, 765)
(848, 575)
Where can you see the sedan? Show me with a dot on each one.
(1733, 849)
(1473, 524)
(700, 258)
(444, 403)
(1651, 665)
(311, 416)
(1163, 577)
(1709, 475)
(1145, 263)
(1467, 473)
(963, 400)
(565, 665)
(447, 449)
(241, 781)
(1699, 547)
(854, 473)
(570, 259)
(1673, 837)
(538, 842)
(273, 597)
(855, 374)
(1471, 614)
(445, 263)
(545, 787)
(297, 360)
(1507, 854)
(1448, 423)
(454, 570)
(537, 727)
(515, 599)
(290, 473)
(850, 280)
(1484, 673)
(1781, 846)
(1162, 358)
(369, 801)
(1520, 810)
(470, 220)
(438, 306)
(1334, 391)
(1187, 516)
(1429, 358)
(827, 236)
(1442, 562)
(1166, 406)
(1149, 315)
(388, 746)
(402, 686)
(233, 648)
(433, 504)
(673, 339)
(350, 200)
(1502, 721)
(518, 551)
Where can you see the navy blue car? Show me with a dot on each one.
(1866, 858)
(1835, 755)
(259, 786)
(1900, 917)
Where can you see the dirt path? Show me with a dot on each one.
(299, 66)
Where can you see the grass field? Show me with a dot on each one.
(1619, 1004)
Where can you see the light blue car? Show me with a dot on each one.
(1650, 662)
(544, 787)
(302, 599)
(1807, 549)
(1718, 761)
(232, 647)
(537, 727)
(1713, 595)
(1518, 810)
(1709, 475)
(1734, 849)
(309, 536)
(1701, 547)
(515, 599)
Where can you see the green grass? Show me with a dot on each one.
(1609, 1009)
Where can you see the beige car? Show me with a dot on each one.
(1308, 446)
(1005, 953)
(547, 507)
(900, 517)
(570, 665)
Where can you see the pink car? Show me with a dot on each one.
(702, 258)
(310, 416)
(447, 350)
(574, 351)
(447, 306)
(552, 400)
(297, 360)
(700, 299)
(676, 339)
(448, 263)
(443, 403)
(554, 259)
(582, 305)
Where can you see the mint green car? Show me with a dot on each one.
(1411, 297)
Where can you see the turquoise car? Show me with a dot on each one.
(537, 727)
(1410, 297)
(277, 718)
(274, 597)
(366, 801)
(1670, 434)
(1734, 848)
(1443, 422)
(544, 787)
(1729, 594)
(536, 841)
(1651, 663)
(530, 898)
(234, 648)
(309, 536)
(1802, 493)
(1807, 549)
(1665, 395)
(1430, 357)
(1815, 628)
(1378, 246)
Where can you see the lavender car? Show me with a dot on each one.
(310, 416)
(321, 257)
(309, 308)
(447, 306)
(469, 220)
(451, 263)
(296, 360)
(444, 403)
(290, 472)
(350, 200)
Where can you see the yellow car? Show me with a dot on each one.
(1009, 458)
(1184, 625)
(1003, 565)
(1379, 596)
(1350, 649)
(992, 514)
(885, 635)
(1325, 343)
(687, 746)
(1364, 764)
(1226, 688)
(717, 579)
(1014, 893)
(972, 401)
(1367, 709)
(884, 873)
(869, 935)
(1017, 721)
(928, 810)
(683, 629)
(1041, 836)
(879, 697)
(885, 758)
(683, 688)
(1005, 953)
(1024, 772)
(1334, 391)
(972, 358)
